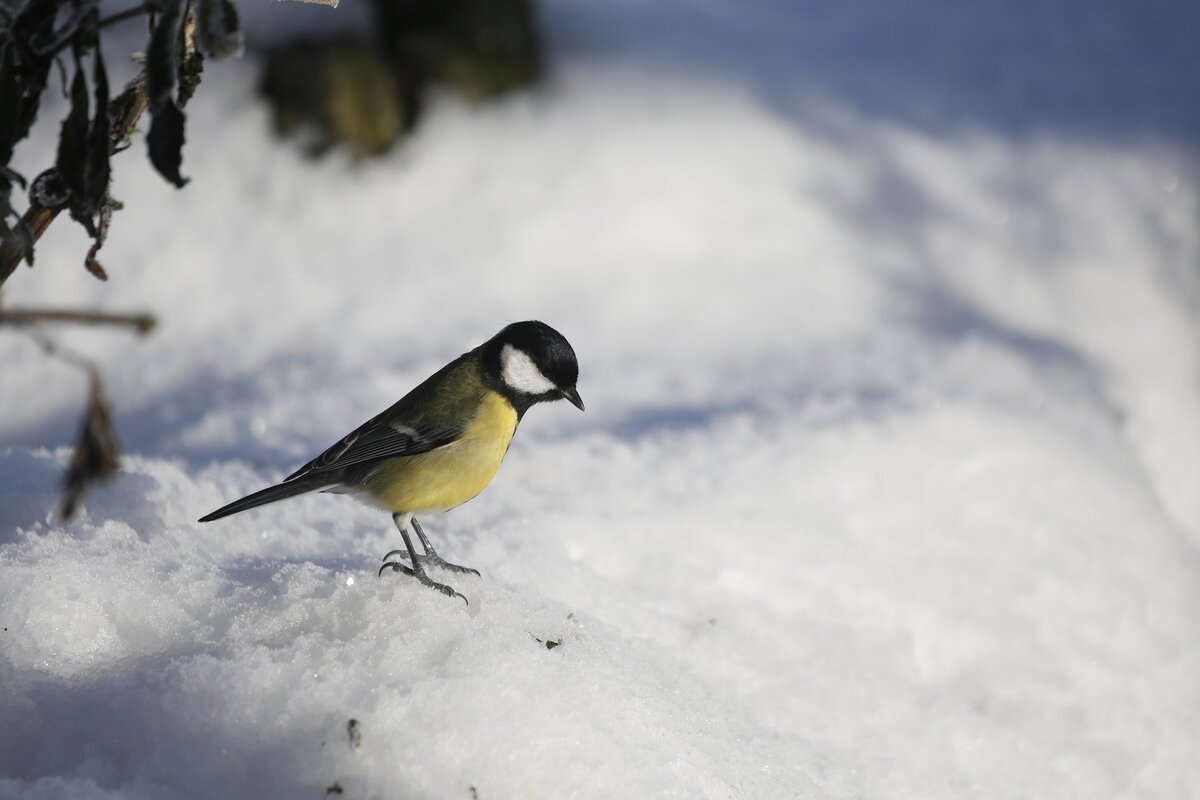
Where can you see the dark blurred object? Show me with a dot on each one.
(96, 449)
(482, 48)
(37, 34)
(342, 90)
(95, 456)
(366, 94)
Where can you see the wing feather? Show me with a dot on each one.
(430, 416)
(378, 439)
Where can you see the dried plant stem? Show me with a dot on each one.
(65, 354)
(126, 110)
(142, 323)
(36, 219)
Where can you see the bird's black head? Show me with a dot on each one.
(530, 362)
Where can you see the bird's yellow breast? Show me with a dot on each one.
(449, 476)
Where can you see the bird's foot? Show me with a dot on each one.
(433, 560)
(421, 577)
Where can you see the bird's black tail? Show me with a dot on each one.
(305, 483)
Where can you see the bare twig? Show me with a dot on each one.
(65, 354)
(12, 248)
(142, 323)
(57, 46)
(121, 16)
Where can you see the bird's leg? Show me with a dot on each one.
(416, 570)
(430, 557)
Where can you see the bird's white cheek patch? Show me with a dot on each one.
(520, 373)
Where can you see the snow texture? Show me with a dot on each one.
(887, 315)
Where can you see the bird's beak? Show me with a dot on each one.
(572, 394)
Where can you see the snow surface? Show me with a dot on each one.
(887, 319)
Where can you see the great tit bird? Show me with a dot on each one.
(442, 443)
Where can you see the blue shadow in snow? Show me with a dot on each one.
(1106, 68)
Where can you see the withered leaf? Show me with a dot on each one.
(95, 456)
(96, 168)
(72, 150)
(162, 53)
(165, 141)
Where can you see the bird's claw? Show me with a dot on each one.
(423, 579)
(396, 567)
(433, 560)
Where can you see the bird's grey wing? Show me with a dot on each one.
(379, 438)
(415, 424)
